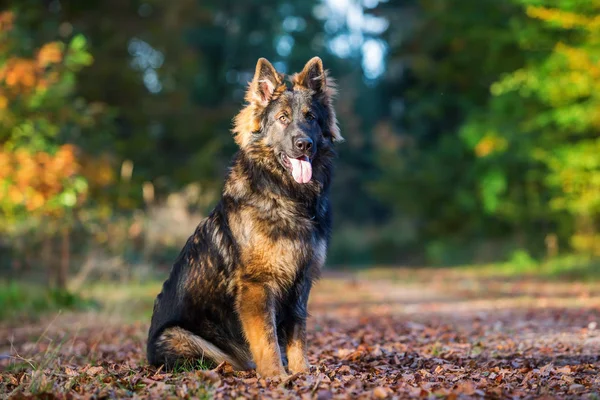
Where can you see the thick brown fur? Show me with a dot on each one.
(239, 289)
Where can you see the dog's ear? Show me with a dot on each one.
(264, 87)
(266, 80)
(312, 77)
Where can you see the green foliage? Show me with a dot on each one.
(555, 136)
(520, 265)
(429, 173)
(39, 113)
(500, 137)
(481, 137)
(522, 261)
(19, 300)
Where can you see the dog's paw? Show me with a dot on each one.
(299, 366)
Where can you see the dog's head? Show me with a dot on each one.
(294, 127)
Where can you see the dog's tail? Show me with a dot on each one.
(177, 345)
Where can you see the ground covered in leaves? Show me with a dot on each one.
(386, 334)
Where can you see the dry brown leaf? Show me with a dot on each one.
(576, 388)
(93, 371)
(210, 376)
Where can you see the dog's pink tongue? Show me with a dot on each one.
(301, 169)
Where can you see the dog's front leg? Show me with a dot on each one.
(296, 347)
(295, 330)
(257, 314)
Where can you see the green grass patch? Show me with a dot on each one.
(572, 268)
(569, 267)
(192, 365)
(22, 300)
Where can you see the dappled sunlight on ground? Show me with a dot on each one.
(379, 334)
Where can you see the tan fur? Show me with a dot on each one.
(260, 254)
(258, 322)
(243, 279)
(296, 350)
(248, 119)
(192, 346)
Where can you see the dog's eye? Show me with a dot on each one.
(310, 116)
(283, 119)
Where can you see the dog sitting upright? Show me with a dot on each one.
(239, 289)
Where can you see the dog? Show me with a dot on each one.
(238, 290)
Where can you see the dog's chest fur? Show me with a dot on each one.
(279, 235)
(276, 244)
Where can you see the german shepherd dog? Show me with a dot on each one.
(238, 291)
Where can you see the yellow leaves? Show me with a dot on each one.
(579, 59)
(4, 165)
(33, 180)
(575, 172)
(588, 243)
(490, 144)
(568, 75)
(564, 19)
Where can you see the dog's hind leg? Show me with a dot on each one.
(179, 346)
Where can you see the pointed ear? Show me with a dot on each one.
(266, 80)
(313, 76)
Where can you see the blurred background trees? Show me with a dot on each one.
(472, 126)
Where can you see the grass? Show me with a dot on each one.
(133, 301)
(192, 365)
(29, 301)
(570, 267)
(38, 380)
(39, 373)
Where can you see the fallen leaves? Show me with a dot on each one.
(380, 392)
(93, 371)
(506, 353)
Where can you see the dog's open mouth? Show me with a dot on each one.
(301, 167)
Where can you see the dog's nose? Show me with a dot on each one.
(303, 144)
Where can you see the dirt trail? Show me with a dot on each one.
(393, 335)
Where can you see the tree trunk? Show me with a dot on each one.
(47, 258)
(63, 269)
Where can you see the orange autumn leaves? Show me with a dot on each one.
(20, 75)
(50, 53)
(25, 75)
(35, 180)
(38, 177)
